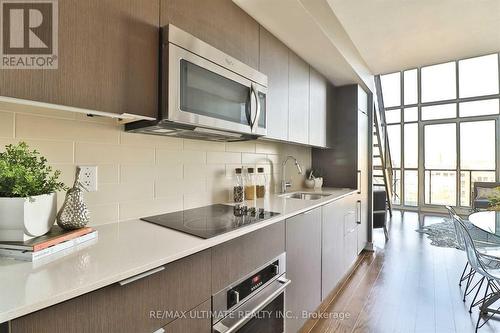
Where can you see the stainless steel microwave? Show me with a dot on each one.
(205, 93)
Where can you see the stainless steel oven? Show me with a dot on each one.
(254, 304)
(205, 92)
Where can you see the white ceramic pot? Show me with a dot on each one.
(318, 182)
(25, 218)
(309, 183)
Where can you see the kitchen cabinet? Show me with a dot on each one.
(196, 321)
(303, 266)
(363, 169)
(236, 258)
(107, 60)
(274, 63)
(127, 306)
(350, 224)
(332, 243)
(346, 165)
(339, 239)
(317, 108)
(298, 100)
(220, 23)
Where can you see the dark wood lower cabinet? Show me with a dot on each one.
(196, 321)
(139, 306)
(234, 259)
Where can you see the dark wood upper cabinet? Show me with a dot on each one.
(220, 23)
(108, 59)
(274, 63)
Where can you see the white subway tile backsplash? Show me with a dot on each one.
(54, 151)
(248, 158)
(141, 175)
(241, 146)
(165, 157)
(150, 141)
(93, 153)
(37, 127)
(137, 209)
(104, 214)
(144, 173)
(269, 147)
(223, 158)
(204, 145)
(112, 193)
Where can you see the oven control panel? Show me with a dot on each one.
(239, 292)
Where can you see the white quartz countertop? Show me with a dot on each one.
(122, 250)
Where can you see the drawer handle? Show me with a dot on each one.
(160, 330)
(140, 276)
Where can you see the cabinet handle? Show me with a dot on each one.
(160, 330)
(359, 181)
(358, 212)
(142, 275)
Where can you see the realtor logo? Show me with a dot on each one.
(28, 39)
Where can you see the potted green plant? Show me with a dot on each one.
(28, 199)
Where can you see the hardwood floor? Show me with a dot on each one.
(406, 285)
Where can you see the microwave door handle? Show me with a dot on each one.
(255, 123)
(252, 106)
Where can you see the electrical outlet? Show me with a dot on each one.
(88, 177)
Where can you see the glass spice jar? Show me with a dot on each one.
(261, 183)
(238, 189)
(250, 185)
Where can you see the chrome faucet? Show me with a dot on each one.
(284, 183)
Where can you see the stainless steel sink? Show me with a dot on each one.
(304, 196)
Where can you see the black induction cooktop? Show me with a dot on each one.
(209, 221)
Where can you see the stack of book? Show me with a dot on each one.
(54, 241)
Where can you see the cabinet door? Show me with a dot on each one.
(303, 266)
(127, 308)
(196, 321)
(317, 108)
(363, 128)
(107, 59)
(332, 242)
(298, 100)
(220, 23)
(274, 63)
(236, 258)
(350, 234)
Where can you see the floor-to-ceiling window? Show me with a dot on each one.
(443, 128)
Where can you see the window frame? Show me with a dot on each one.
(422, 206)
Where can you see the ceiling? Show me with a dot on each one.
(392, 35)
(310, 29)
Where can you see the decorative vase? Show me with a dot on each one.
(74, 213)
(318, 182)
(25, 218)
(309, 183)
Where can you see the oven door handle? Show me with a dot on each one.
(253, 309)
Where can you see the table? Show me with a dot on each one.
(488, 221)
